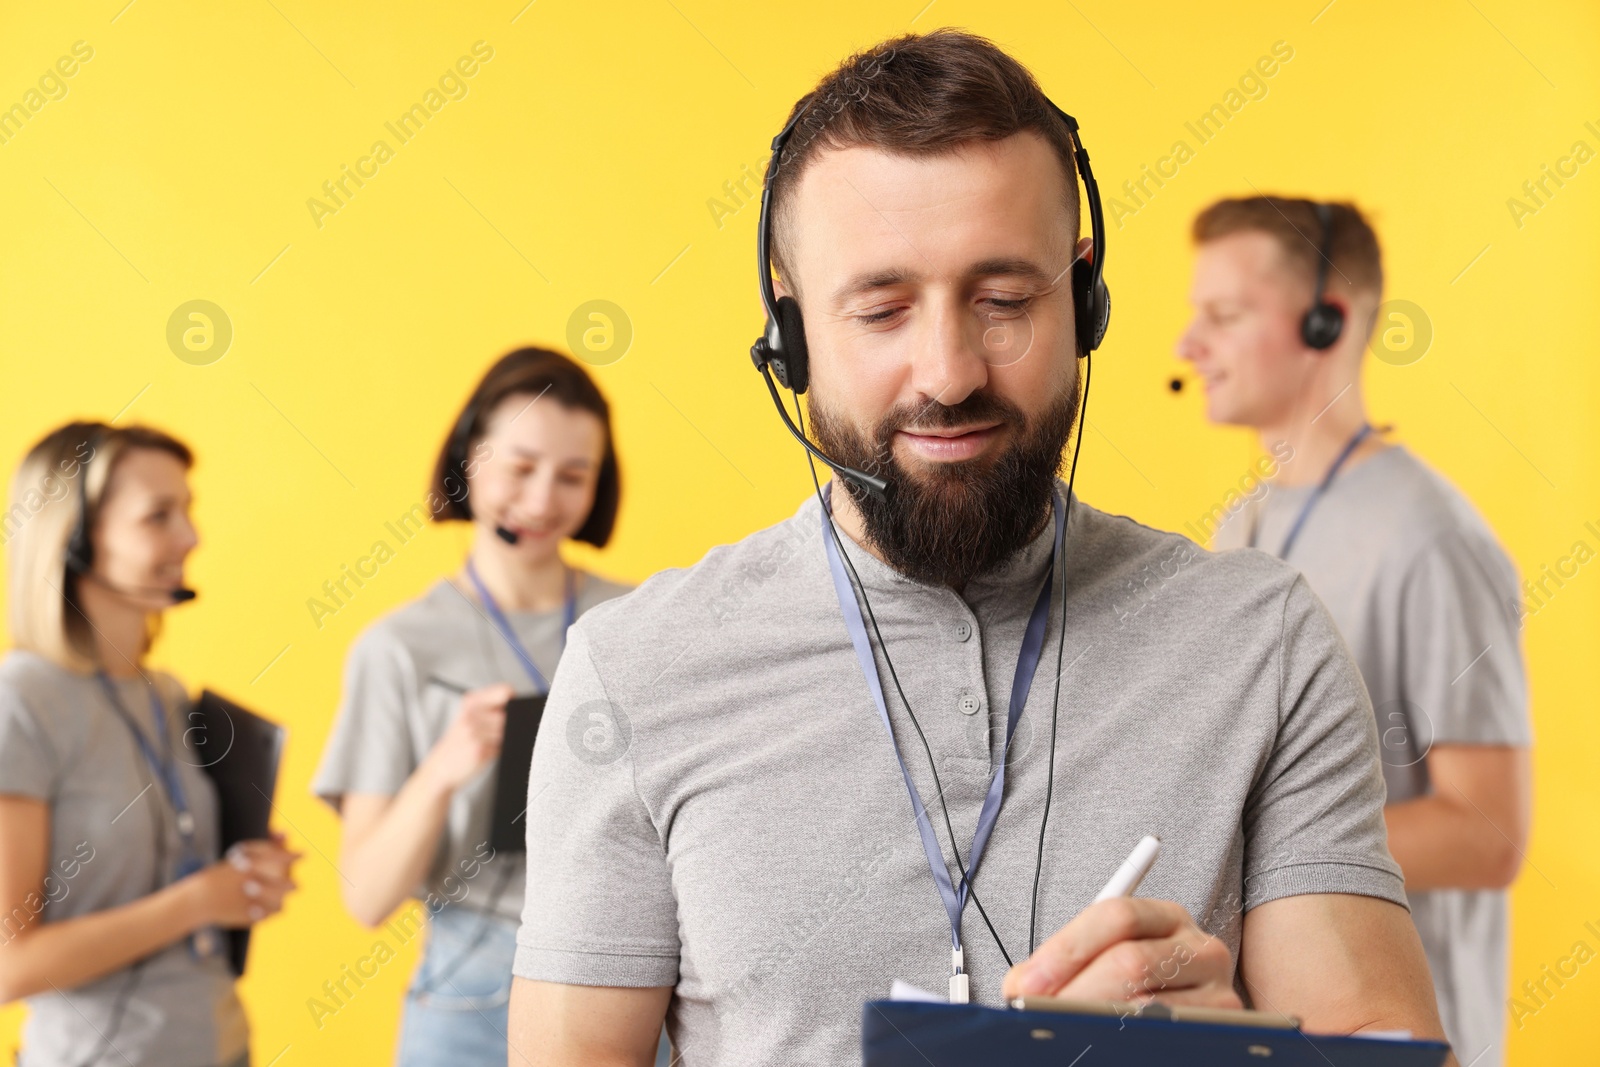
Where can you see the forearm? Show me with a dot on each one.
(1343, 964)
(394, 853)
(1444, 844)
(69, 953)
(554, 1025)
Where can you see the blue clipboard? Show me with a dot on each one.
(900, 1033)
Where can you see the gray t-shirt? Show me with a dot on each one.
(1425, 598)
(715, 805)
(61, 741)
(394, 711)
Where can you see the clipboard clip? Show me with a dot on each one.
(1157, 1010)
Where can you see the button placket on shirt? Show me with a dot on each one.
(970, 700)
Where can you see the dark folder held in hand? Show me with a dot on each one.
(508, 827)
(898, 1033)
(240, 751)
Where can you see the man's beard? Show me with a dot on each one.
(955, 520)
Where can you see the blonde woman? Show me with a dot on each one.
(112, 891)
(530, 463)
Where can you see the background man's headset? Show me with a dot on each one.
(1323, 322)
(781, 349)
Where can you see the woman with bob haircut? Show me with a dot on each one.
(112, 895)
(409, 765)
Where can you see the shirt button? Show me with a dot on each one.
(962, 630)
(968, 704)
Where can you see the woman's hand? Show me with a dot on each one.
(472, 739)
(246, 885)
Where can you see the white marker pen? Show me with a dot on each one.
(1133, 869)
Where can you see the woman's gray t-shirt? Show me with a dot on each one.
(62, 742)
(394, 710)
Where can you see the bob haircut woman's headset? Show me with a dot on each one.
(541, 374)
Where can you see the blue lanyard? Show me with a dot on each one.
(502, 624)
(164, 769)
(955, 901)
(206, 941)
(1316, 494)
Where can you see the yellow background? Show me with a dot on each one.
(579, 167)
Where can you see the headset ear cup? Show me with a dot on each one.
(792, 360)
(1321, 326)
(456, 458)
(1091, 306)
(77, 555)
(80, 543)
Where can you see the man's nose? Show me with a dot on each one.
(948, 363)
(189, 536)
(1188, 345)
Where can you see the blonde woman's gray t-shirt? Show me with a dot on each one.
(62, 742)
(1427, 600)
(715, 806)
(395, 710)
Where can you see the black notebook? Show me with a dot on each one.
(240, 751)
(508, 827)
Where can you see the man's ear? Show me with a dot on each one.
(1085, 250)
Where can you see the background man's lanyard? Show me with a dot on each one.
(502, 624)
(1316, 494)
(955, 900)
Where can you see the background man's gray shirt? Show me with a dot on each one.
(714, 804)
(1426, 599)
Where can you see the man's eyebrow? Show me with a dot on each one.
(1009, 266)
(867, 281)
(1025, 269)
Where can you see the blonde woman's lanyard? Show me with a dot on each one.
(207, 940)
(955, 900)
(162, 765)
(502, 624)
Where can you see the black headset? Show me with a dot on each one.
(456, 463)
(455, 453)
(1323, 322)
(79, 556)
(782, 345)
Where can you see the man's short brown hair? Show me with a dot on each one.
(1356, 262)
(920, 94)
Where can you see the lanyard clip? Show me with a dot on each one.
(959, 990)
